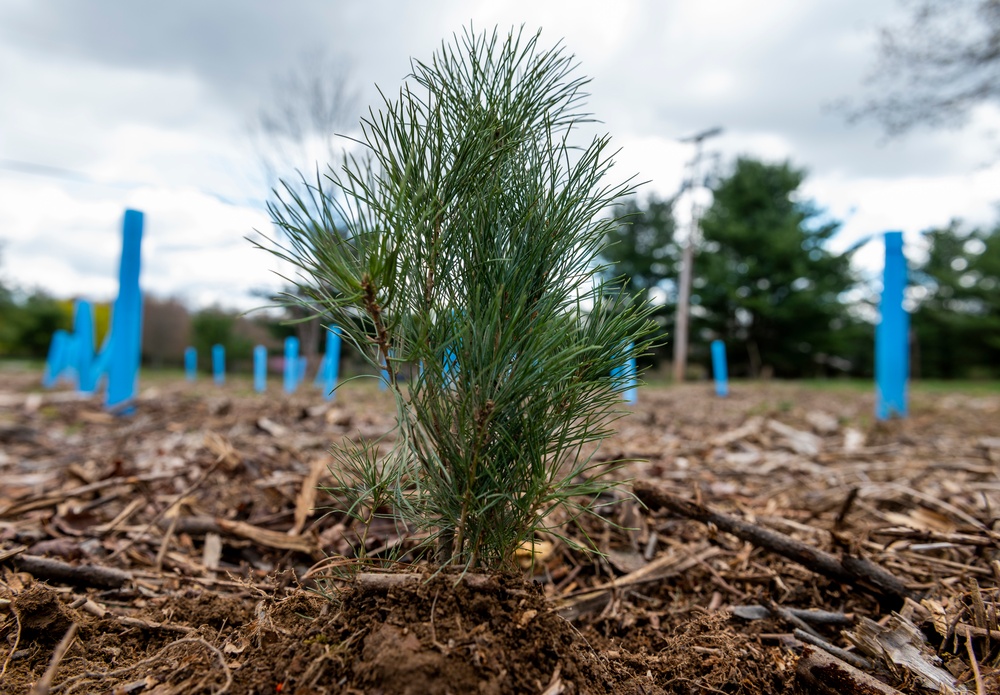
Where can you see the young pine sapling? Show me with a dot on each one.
(462, 249)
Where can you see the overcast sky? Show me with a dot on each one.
(116, 104)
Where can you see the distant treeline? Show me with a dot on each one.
(28, 320)
(765, 282)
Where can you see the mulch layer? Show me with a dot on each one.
(789, 543)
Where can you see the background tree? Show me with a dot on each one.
(957, 319)
(765, 281)
(7, 309)
(298, 130)
(642, 248)
(936, 67)
(214, 326)
(166, 331)
(298, 127)
(27, 321)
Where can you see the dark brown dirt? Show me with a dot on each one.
(435, 636)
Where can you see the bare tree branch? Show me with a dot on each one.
(935, 68)
(297, 127)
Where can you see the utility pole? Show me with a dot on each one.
(687, 259)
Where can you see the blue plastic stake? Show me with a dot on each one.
(70, 372)
(450, 369)
(126, 320)
(625, 375)
(291, 363)
(719, 369)
(219, 364)
(83, 329)
(330, 367)
(102, 361)
(56, 361)
(300, 372)
(260, 369)
(892, 349)
(190, 363)
(383, 383)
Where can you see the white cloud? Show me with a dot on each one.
(150, 102)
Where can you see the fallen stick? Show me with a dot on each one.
(969, 631)
(305, 501)
(855, 660)
(810, 615)
(850, 570)
(87, 575)
(149, 625)
(241, 529)
(786, 615)
(828, 675)
(937, 537)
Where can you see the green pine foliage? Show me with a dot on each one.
(461, 249)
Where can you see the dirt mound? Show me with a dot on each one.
(437, 635)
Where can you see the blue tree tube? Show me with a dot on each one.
(190, 363)
(57, 359)
(719, 368)
(69, 372)
(625, 378)
(260, 369)
(892, 349)
(126, 320)
(450, 369)
(102, 360)
(83, 329)
(383, 383)
(291, 363)
(219, 364)
(318, 379)
(330, 369)
(301, 370)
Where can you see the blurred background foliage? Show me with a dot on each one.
(765, 281)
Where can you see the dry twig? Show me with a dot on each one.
(851, 570)
(44, 684)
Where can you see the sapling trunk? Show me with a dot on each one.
(465, 243)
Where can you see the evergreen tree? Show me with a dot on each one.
(957, 319)
(765, 281)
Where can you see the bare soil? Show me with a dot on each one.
(186, 549)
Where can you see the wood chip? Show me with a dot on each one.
(900, 645)
(305, 502)
(805, 443)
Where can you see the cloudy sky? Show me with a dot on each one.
(118, 104)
